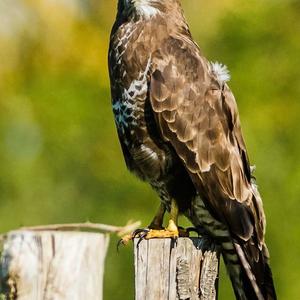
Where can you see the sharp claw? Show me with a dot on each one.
(173, 242)
(124, 240)
(142, 236)
(176, 240)
(120, 242)
(139, 241)
(137, 232)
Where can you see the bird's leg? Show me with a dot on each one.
(157, 222)
(173, 221)
(171, 230)
(155, 229)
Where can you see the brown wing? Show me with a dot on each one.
(198, 115)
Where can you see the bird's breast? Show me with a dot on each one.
(129, 103)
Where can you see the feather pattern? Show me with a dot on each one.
(207, 131)
(179, 130)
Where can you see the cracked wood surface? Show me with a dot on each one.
(165, 270)
(44, 265)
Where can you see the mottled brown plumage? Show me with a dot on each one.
(180, 131)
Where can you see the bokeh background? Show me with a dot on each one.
(60, 159)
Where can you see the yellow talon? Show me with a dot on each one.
(171, 231)
(125, 240)
(172, 226)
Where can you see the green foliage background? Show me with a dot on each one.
(59, 154)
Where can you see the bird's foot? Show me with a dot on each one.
(171, 231)
(154, 232)
(139, 233)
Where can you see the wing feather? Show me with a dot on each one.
(199, 116)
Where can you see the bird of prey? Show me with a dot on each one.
(179, 129)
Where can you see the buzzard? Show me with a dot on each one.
(179, 129)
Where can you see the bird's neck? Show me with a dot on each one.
(148, 9)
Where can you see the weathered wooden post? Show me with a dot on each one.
(55, 262)
(53, 265)
(165, 270)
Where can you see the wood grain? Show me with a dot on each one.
(166, 270)
(44, 265)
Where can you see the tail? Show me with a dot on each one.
(250, 272)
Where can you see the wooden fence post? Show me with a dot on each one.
(165, 270)
(52, 265)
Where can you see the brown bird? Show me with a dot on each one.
(179, 130)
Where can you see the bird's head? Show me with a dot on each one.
(147, 8)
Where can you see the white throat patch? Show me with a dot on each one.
(144, 8)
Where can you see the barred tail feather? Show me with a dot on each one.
(256, 277)
(268, 277)
(248, 278)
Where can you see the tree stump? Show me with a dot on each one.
(169, 270)
(56, 265)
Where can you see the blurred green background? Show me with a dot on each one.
(60, 158)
